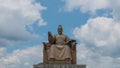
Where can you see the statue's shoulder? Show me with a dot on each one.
(65, 35)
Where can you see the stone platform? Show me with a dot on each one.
(59, 66)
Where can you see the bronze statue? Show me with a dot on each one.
(59, 52)
(60, 48)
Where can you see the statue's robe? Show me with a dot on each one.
(59, 50)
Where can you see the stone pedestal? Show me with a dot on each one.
(59, 66)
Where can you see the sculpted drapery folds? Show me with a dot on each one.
(60, 49)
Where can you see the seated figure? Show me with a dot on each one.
(59, 49)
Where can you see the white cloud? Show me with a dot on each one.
(94, 5)
(24, 58)
(99, 45)
(86, 5)
(15, 15)
(2, 52)
(115, 4)
(94, 59)
(100, 32)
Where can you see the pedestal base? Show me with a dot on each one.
(59, 66)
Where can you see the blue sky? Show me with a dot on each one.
(94, 24)
(54, 17)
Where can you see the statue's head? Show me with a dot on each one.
(60, 30)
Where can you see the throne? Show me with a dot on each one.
(47, 45)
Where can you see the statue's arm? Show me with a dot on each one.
(51, 38)
(67, 40)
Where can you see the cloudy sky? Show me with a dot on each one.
(95, 24)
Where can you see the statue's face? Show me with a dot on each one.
(59, 31)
